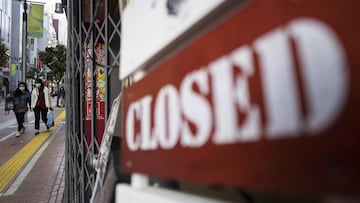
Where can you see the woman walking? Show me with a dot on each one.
(61, 97)
(40, 103)
(21, 100)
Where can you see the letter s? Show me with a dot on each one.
(196, 109)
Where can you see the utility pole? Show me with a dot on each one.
(24, 42)
(24, 49)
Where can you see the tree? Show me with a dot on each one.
(4, 57)
(55, 59)
(34, 73)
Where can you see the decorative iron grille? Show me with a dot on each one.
(91, 23)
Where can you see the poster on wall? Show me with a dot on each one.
(100, 76)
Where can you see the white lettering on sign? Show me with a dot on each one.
(277, 71)
(324, 69)
(228, 98)
(201, 115)
(132, 139)
(167, 117)
(186, 117)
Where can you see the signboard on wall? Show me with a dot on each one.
(265, 100)
(100, 91)
(160, 23)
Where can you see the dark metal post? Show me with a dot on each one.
(24, 43)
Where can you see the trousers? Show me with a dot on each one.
(40, 112)
(20, 119)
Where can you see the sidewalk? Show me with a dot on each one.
(11, 115)
(41, 179)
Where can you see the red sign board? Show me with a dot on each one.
(267, 99)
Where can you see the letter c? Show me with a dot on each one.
(132, 140)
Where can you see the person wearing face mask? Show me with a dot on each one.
(21, 101)
(40, 103)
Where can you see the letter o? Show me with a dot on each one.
(167, 116)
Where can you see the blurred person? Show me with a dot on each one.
(40, 104)
(60, 97)
(21, 100)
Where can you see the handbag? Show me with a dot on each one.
(51, 119)
(9, 106)
(9, 103)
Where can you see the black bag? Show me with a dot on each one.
(9, 104)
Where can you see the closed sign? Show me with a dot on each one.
(264, 100)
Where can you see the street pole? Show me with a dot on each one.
(24, 43)
(24, 49)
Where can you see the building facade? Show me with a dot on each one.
(11, 14)
(5, 37)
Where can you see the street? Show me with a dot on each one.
(9, 144)
(25, 159)
(8, 124)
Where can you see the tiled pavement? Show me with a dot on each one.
(44, 180)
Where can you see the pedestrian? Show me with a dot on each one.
(21, 100)
(40, 104)
(60, 97)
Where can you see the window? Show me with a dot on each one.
(1, 24)
(8, 29)
(6, 7)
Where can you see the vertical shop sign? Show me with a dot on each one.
(35, 28)
(13, 69)
(100, 79)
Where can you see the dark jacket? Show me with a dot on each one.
(61, 93)
(21, 101)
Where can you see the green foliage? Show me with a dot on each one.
(4, 57)
(34, 73)
(55, 59)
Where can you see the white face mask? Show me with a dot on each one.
(22, 88)
(37, 85)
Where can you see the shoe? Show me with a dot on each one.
(22, 130)
(37, 131)
(47, 127)
(17, 134)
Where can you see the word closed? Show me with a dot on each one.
(207, 105)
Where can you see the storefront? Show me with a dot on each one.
(220, 101)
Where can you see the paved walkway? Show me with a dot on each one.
(40, 177)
